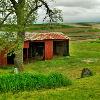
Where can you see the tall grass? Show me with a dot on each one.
(27, 81)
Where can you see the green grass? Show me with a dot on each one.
(82, 54)
(36, 27)
(29, 82)
(82, 89)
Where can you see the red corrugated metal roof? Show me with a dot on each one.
(45, 36)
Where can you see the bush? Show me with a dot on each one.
(57, 80)
(27, 81)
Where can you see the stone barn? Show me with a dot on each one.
(41, 46)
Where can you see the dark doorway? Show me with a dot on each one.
(25, 54)
(35, 51)
(60, 48)
(10, 58)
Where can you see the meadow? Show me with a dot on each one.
(84, 53)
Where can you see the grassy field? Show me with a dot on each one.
(83, 89)
(84, 53)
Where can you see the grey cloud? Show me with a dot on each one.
(77, 15)
(78, 3)
(72, 11)
(77, 10)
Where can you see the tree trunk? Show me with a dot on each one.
(19, 50)
(19, 53)
(20, 36)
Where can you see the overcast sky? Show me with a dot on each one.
(76, 10)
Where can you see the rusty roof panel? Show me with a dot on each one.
(45, 36)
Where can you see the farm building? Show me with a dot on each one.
(40, 46)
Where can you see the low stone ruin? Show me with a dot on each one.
(86, 72)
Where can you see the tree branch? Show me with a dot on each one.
(14, 3)
(49, 12)
(45, 4)
(21, 3)
(7, 10)
(5, 18)
(32, 11)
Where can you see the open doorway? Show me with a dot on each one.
(60, 48)
(10, 58)
(35, 51)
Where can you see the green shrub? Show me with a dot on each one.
(57, 80)
(27, 81)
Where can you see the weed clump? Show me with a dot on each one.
(27, 82)
(57, 80)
